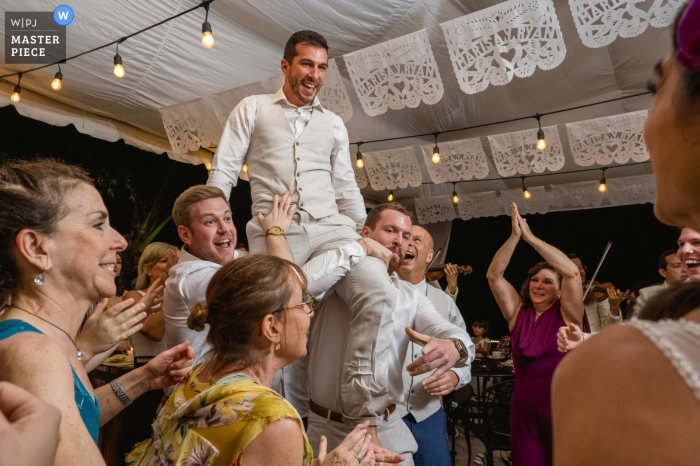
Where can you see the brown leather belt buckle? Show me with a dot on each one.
(389, 411)
(327, 413)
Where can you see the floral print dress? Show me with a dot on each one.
(203, 424)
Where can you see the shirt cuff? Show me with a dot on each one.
(348, 255)
(464, 374)
(453, 296)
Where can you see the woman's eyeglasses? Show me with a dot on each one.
(306, 300)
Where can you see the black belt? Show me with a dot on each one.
(338, 417)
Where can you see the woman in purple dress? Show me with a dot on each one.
(551, 297)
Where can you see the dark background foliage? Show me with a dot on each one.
(130, 181)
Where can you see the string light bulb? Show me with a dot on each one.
(436, 150)
(56, 83)
(207, 37)
(455, 199)
(360, 162)
(601, 186)
(541, 143)
(391, 195)
(15, 95)
(526, 193)
(118, 66)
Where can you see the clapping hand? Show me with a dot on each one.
(281, 214)
(153, 296)
(568, 338)
(515, 224)
(169, 367)
(440, 355)
(444, 385)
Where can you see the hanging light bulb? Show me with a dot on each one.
(360, 162)
(207, 38)
(541, 143)
(391, 195)
(56, 83)
(245, 167)
(15, 95)
(526, 193)
(455, 199)
(602, 186)
(436, 150)
(118, 67)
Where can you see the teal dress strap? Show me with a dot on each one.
(89, 408)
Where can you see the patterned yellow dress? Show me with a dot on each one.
(203, 424)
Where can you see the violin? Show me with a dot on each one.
(599, 292)
(436, 272)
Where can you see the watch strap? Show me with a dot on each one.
(460, 347)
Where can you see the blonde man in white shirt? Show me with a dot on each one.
(204, 223)
(289, 142)
(333, 403)
(421, 409)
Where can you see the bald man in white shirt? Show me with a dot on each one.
(290, 142)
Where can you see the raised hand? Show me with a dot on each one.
(281, 214)
(440, 355)
(374, 249)
(451, 273)
(153, 297)
(515, 224)
(169, 367)
(103, 330)
(568, 338)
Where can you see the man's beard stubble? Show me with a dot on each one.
(395, 262)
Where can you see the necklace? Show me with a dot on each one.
(78, 353)
(251, 373)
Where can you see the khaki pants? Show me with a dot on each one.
(393, 435)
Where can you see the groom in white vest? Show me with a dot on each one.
(289, 142)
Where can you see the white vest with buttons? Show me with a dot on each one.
(416, 400)
(277, 162)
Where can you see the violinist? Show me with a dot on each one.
(602, 309)
(421, 409)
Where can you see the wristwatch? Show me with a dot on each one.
(275, 231)
(463, 354)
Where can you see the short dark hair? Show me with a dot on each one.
(525, 289)
(483, 323)
(573, 256)
(663, 263)
(375, 214)
(305, 38)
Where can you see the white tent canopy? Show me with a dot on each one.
(168, 65)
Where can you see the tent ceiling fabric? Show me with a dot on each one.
(168, 66)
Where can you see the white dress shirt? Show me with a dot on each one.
(233, 147)
(436, 284)
(188, 280)
(645, 294)
(599, 315)
(329, 338)
(416, 399)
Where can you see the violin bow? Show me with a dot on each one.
(434, 259)
(590, 283)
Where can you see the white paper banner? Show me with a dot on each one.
(517, 152)
(191, 125)
(536, 204)
(616, 138)
(479, 205)
(434, 209)
(393, 168)
(632, 190)
(459, 160)
(577, 194)
(599, 22)
(511, 38)
(333, 94)
(224, 102)
(394, 74)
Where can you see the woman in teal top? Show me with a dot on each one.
(57, 252)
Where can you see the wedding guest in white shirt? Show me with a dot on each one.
(674, 272)
(289, 142)
(414, 316)
(204, 223)
(421, 408)
(600, 314)
(689, 252)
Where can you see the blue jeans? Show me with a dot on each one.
(431, 437)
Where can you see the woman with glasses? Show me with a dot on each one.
(259, 314)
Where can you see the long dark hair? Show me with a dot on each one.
(482, 323)
(525, 289)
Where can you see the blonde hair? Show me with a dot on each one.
(182, 210)
(153, 253)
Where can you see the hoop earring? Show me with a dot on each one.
(39, 279)
(277, 347)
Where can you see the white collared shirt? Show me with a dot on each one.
(329, 340)
(599, 315)
(188, 280)
(233, 147)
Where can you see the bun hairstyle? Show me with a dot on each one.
(239, 296)
(32, 195)
(525, 289)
